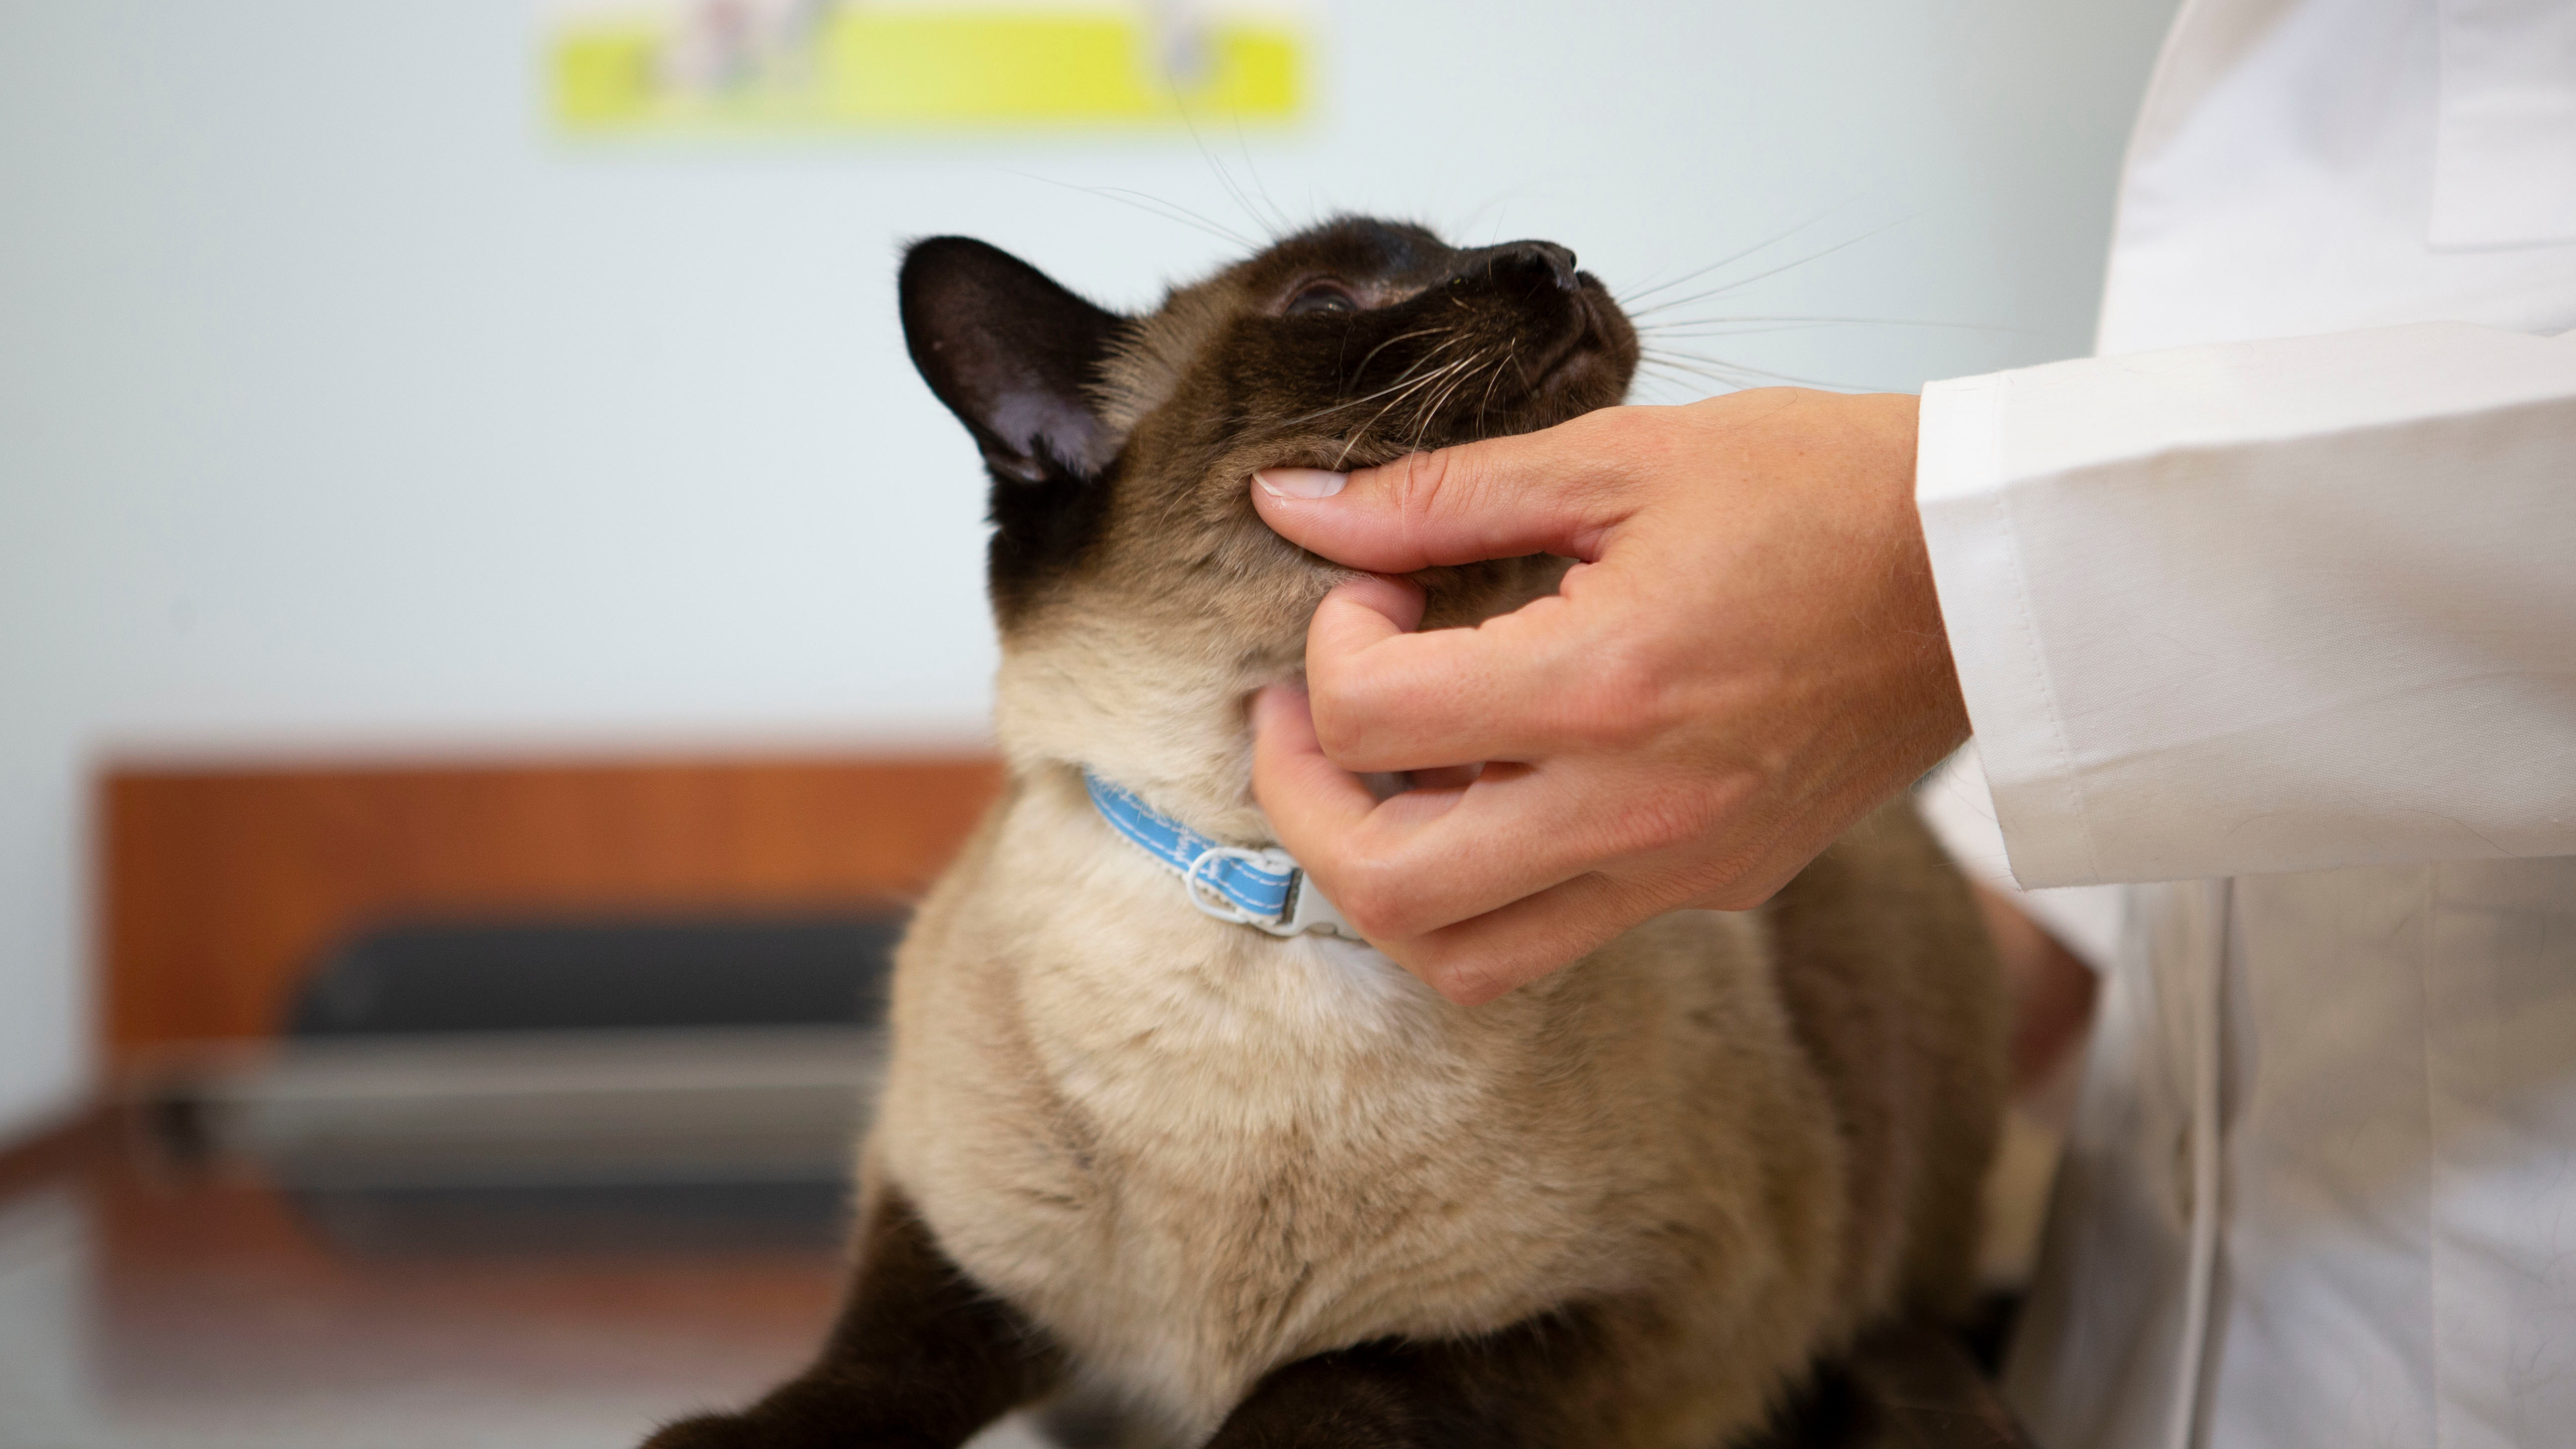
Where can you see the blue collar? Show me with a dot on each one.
(1263, 889)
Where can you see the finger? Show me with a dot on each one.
(1429, 859)
(1477, 960)
(1388, 699)
(1372, 608)
(1473, 903)
(1326, 817)
(1310, 801)
(1553, 491)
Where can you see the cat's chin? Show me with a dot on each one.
(1592, 372)
(1582, 381)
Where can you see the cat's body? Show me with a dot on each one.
(1276, 1191)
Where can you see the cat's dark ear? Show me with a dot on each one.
(1012, 354)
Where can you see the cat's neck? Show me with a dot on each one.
(1177, 739)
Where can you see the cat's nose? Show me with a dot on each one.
(1534, 259)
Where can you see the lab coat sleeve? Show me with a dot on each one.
(2268, 606)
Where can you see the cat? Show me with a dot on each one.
(1244, 1188)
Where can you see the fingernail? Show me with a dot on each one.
(1300, 482)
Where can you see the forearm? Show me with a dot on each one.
(2274, 606)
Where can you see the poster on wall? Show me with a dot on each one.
(677, 66)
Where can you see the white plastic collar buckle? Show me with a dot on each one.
(1308, 909)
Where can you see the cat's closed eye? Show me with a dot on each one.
(1321, 298)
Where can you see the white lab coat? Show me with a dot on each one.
(2269, 611)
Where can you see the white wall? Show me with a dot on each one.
(341, 406)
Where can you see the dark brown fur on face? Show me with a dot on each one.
(1250, 1192)
(1121, 445)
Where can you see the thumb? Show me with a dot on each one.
(1553, 491)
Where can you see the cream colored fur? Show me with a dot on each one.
(1193, 1152)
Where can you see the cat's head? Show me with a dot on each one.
(1139, 595)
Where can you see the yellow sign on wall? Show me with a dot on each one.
(687, 65)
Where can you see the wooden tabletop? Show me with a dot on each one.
(152, 1302)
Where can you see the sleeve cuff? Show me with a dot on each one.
(1977, 571)
(1956, 803)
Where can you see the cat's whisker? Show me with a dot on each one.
(1432, 412)
(1434, 350)
(1675, 327)
(1410, 370)
(1710, 334)
(1401, 379)
(1362, 369)
(1708, 367)
(1422, 386)
(1736, 373)
(1407, 392)
(1690, 385)
(1282, 225)
(1488, 400)
(1666, 306)
(1669, 334)
(1431, 409)
(1223, 177)
(1151, 205)
(1400, 390)
(1630, 299)
(1362, 431)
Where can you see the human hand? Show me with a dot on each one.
(1746, 658)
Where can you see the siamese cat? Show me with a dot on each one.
(1139, 1149)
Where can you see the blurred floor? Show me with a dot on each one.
(149, 1304)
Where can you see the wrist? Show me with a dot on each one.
(1942, 706)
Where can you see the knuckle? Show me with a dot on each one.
(1345, 714)
(1627, 425)
(1632, 434)
(1601, 425)
(1367, 713)
(1429, 485)
(1623, 699)
(1331, 706)
(1632, 692)
(1696, 809)
(1732, 882)
(1461, 977)
(1601, 728)
(1660, 820)
(1737, 895)
(1338, 735)
(1372, 896)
